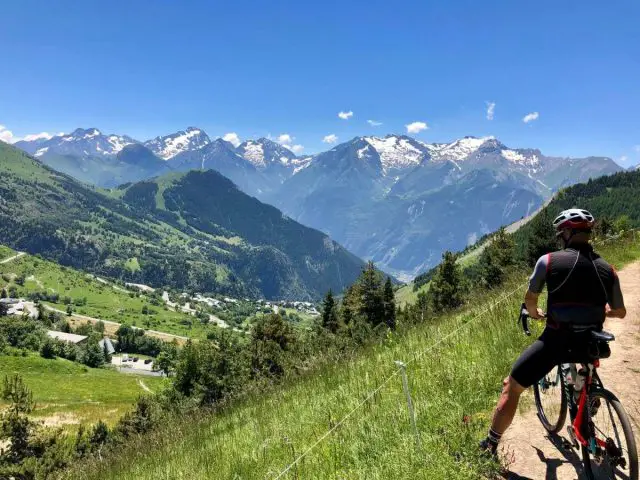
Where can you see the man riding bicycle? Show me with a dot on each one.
(582, 289)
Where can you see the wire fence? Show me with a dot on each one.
(415, 357)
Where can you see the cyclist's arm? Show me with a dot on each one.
(536, 284)
(616, 301)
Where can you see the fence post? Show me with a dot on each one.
(405, 387)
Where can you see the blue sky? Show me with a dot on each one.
(149, 67)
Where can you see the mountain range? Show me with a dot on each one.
(193, 230)
(393, 199)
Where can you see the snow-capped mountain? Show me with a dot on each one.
(392, 199)
(276, 162)
(263, 153)
(221, 155)
(89, 155)
(396, 152)
(81, 142)
(169, 146)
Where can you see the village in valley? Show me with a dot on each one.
(77, 322)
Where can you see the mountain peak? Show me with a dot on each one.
(264, 152)
(86, 132)
(168, 146)
(397, 151)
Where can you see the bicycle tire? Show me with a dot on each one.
(551, 425)
(625, 423)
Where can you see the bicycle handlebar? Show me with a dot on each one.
(524, 319)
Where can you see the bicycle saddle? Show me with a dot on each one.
(602, 336)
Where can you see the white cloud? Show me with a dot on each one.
(623, 159)
(345, 115)
(416, 127)
(637, 148)
(232, 138)
(6, 135)
(285, 139)
(530, 117)
(331, 138)
(295, 148)
(491, 108)
(37, 136)
(374, 123)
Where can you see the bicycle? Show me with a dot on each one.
(606, 452)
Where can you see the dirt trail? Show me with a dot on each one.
(11, 259)
(532, 453)
(144, 386)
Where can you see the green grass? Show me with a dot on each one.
(407, 295)
(260, 436)
(106, 302)
(132, 265)
(6, 252)
(74, 392)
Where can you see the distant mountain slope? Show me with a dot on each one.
(191, 231)
(381, 197)
(401, 202)
(169, 146)
(605, 197)
(91, 156)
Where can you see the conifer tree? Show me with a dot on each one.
(371, 304)
(446, 288)
(330, 319)
(389, 300)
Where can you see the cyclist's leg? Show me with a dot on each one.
(507, 406)
(532, 365)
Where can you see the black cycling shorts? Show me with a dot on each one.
(553, 347)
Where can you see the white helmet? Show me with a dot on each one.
(574, 218)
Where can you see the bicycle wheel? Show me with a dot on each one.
(551, 402)
(616, 455)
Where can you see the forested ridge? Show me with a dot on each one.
(210, 237)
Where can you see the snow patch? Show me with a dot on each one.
(41, 151)
(254, 152)
(458, 150)
(117, 144)
(173, 145)
(395, 152)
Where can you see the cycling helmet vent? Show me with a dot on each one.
(574, 218)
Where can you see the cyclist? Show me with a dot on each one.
(582, 289)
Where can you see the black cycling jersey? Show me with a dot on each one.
(579, 283)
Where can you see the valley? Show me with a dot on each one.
(220, 345)
(165, 233)
(383, 198)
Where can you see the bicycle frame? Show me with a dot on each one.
(580, 413)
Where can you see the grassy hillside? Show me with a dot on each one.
(455, 372)
(67, 393)
(194, 231)
(104, 300)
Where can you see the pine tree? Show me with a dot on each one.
(105, 352)
(542, 238)
(93, 355)
(347, 314)
(495, 258)
(330, 319)
(422, 306)
(389, 304)
(371, 303)
(446, 288)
